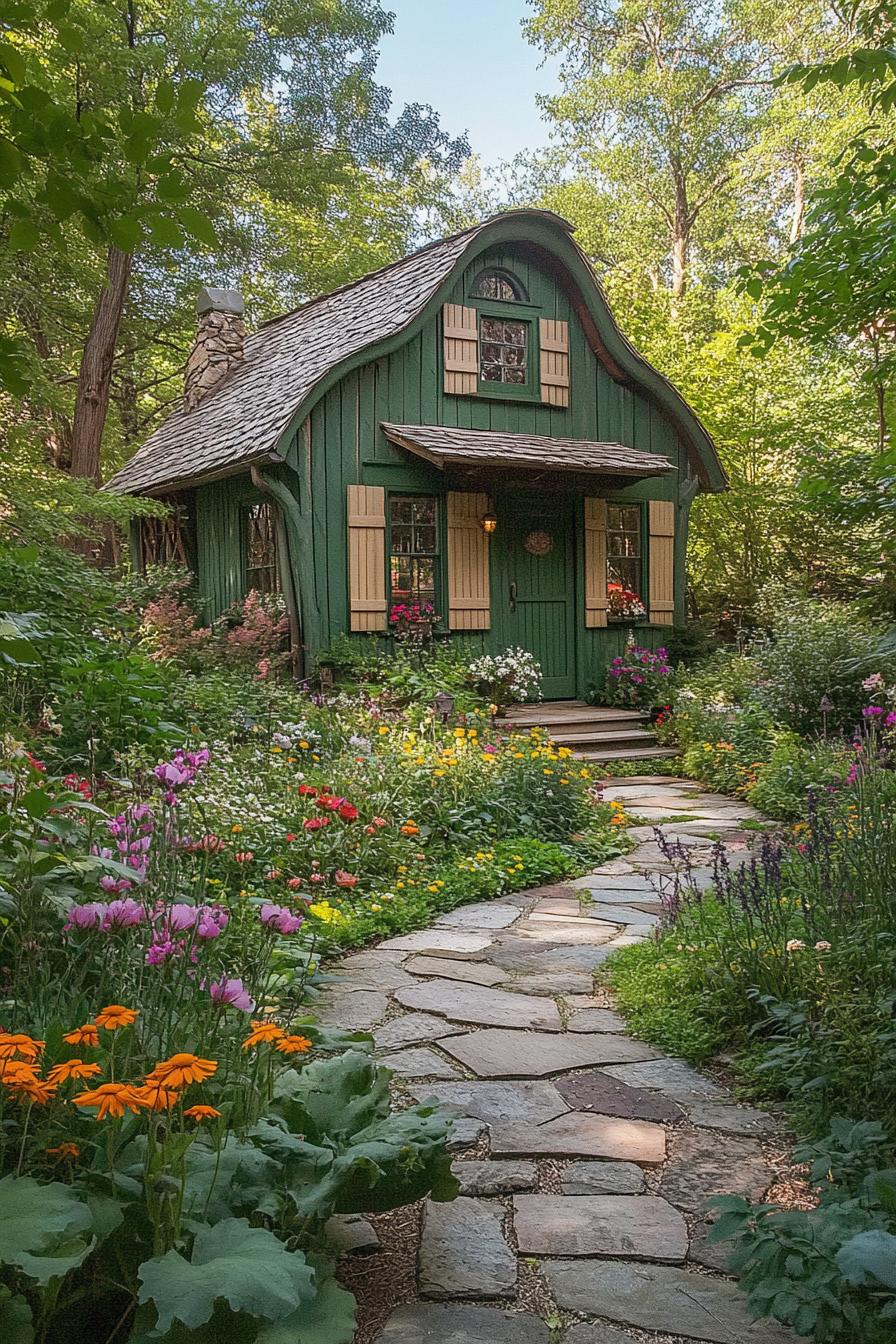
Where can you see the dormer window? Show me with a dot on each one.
(499, 285)
(503, 351)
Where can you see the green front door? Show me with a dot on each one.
(533, 592)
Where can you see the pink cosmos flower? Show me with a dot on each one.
(123, 914)
(89, 916)
(280, 918)
(232, 993)
(211, 923)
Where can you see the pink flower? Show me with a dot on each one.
(211, 923)
(232, 993)
(123, 914)
(293, 883)
(315, 823)
(280, 918)
(246, 856)
(182, 917)
(89, 916)
(344, 879)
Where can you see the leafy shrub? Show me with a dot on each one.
(507, 678)
(829, 1271)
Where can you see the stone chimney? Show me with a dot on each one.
(220, 335)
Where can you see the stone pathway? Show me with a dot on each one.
(585, 1157)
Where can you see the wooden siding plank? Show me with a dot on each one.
(661, 587)
(469, 601)
(595, 562)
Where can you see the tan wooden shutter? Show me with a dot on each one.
(595, 562)
(461, 332)
(367, 557)
(554, 341)
(662, 561)
(468, 580)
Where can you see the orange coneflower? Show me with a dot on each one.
(114, 1016)
(14, 1043)
(14, 1070)
(65, 1152)
(72, 1068)
(293, 1045)
(37, 1090)
(202, 1113)
(181, 1070)
(156, 1097)
(110, 1099)
(263, 1033)
(86, 1035)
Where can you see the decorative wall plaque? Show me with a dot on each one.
(539, 543)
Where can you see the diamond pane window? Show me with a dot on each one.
(262, 569)
(413, 548)
(503, 350)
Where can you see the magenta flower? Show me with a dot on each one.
(89, 916)
(281, 918)
(123, 914)
(871, 711)
(229, 992)
(212, 922)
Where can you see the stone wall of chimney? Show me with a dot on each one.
(220, 338)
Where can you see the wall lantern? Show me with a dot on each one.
(489, 523)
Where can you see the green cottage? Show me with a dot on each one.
(467, 427)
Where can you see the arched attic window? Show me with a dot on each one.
(498, 284)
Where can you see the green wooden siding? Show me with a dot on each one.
(342, 444)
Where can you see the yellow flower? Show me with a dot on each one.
(235, 830)
(439, 773)
(304, 746)
(382, 730)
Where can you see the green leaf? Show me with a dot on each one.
(15, 1318)
(125, 232)
(12, 62)
(329, 1319)
(198, 225)
(247, 1267)
(869, 1257)
(165, 96)
(46, 1230)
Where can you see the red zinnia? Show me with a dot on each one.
(348, 812)
(307, 790)
(315, 823)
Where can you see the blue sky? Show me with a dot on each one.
(469, 60)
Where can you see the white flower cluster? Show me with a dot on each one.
(515, 670)
(287, 735)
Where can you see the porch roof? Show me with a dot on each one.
(445, 446)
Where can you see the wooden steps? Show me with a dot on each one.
(593, 732)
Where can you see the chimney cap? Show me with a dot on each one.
(213, 300)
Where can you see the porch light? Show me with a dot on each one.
(443, 704)
(489, 523)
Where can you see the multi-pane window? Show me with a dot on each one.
(413, 548)
(503, 350)
(499, 285)
(262, 571)
(624, 557)
(167, 540)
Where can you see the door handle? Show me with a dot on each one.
(513, 597)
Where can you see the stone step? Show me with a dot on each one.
(603, 736)
(623, 754)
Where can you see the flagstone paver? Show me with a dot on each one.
(473, 972)
(659, 1297)
(528, 1101)
(431, 1323)
(584, 1151)
(640, 1227)
(498, 1053)
(463, 1251)
(602, 1178)
(582, 1134)
(477, 1003)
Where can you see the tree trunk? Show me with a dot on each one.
(95, 373)
(799, 203)
(680, 232)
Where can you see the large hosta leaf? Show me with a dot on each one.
(333, 1097)
(238, 1180)
(45, 1230)
(329, 1319)
(246, 1267)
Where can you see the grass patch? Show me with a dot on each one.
(665, 1001)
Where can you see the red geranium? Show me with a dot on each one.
(348, 812)
(315, 823)
(308, 790)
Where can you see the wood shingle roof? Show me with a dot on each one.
(446, 446)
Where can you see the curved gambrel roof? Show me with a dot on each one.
(292, 360)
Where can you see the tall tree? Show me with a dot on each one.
(227, 124)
